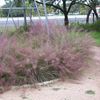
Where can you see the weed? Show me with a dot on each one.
(90, 92)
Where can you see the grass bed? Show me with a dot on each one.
(32, 57)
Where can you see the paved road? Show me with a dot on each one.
(59, 19)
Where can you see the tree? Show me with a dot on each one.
(62, 6)
(92, 4)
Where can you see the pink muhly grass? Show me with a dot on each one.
(34, 58)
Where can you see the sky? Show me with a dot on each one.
(2, 2)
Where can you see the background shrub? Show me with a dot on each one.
(91, 27)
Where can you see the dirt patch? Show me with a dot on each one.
(86, 88)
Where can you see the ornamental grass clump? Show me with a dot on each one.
(36, 58)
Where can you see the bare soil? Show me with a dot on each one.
(86, 87)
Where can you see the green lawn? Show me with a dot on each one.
(7, 30)
(96, 36)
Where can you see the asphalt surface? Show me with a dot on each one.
(18, 21)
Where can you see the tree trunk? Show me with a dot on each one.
(88, 14)
(24, 10)
(66, 20)
(96, 14)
